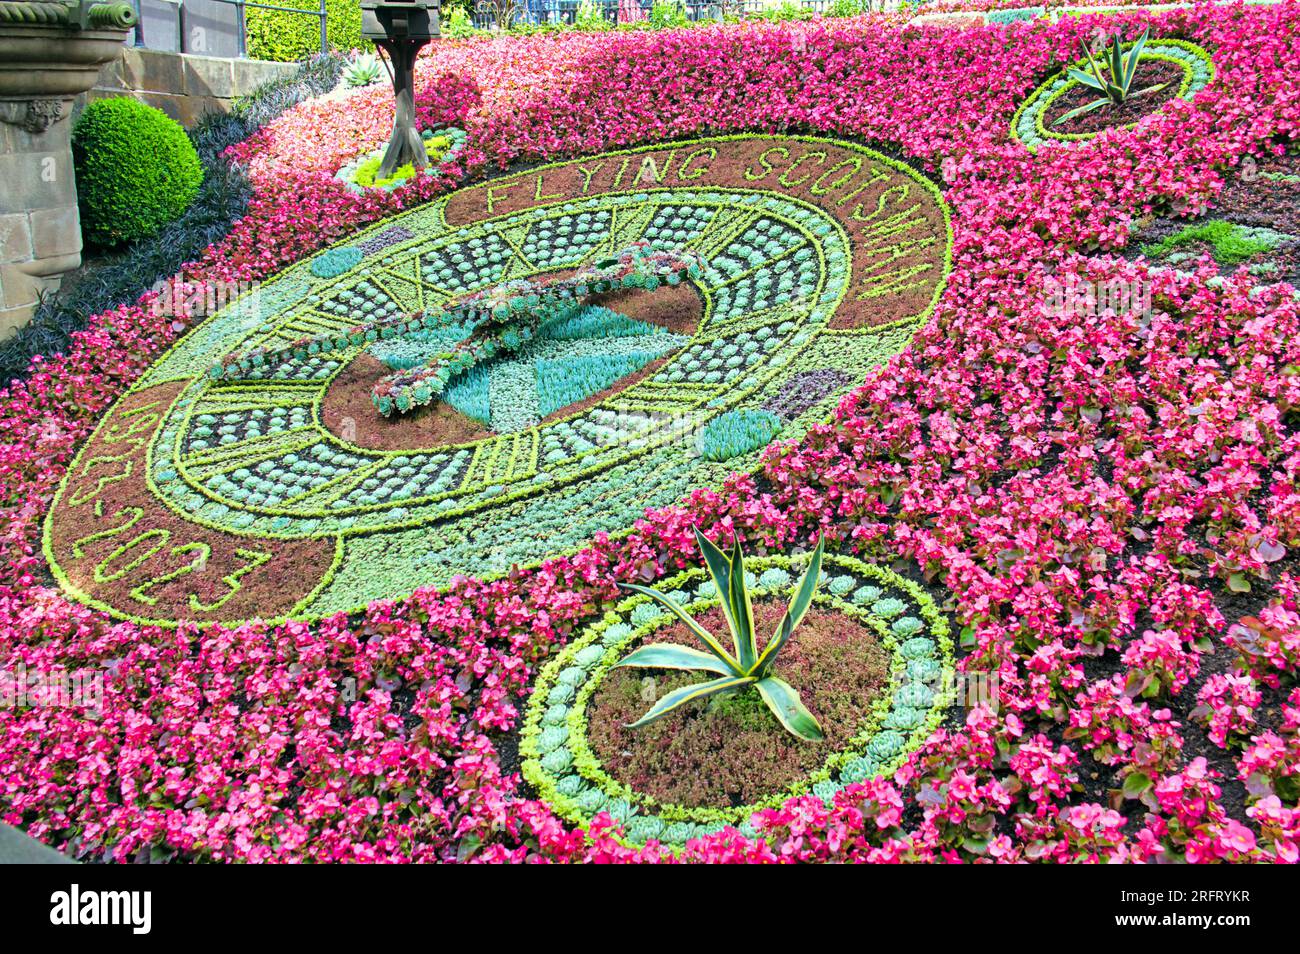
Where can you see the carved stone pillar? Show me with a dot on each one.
(49, 52)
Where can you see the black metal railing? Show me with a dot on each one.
(183, 11)
(488, 14)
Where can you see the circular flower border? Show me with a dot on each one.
(560, 765)
(348, 173)
(1027, 124)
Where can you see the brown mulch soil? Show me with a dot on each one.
(1252, 198)
(732, 751)
(1149, 73)
(104, 527)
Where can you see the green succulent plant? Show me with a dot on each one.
(363, 70)
(745, 666)
(1112, 77)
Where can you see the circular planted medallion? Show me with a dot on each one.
(282, 492)
(1184, 68)
(872, 661)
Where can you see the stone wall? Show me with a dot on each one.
(40, 232)
(183, 86)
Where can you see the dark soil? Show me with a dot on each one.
(1149, 73)
(1254, 195)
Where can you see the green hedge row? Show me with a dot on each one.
(285, 37)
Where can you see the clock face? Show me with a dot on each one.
(284, 493)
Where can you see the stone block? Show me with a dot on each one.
(209, 76)
(15, 238)
(17, 289)
(211, 28)
(11, 319)
(250, 74)
(153, 70)
(37, 180)
(56, 232)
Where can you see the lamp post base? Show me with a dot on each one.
(406, 144)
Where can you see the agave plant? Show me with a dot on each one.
(362, 70)
(1112, 77)
(745, 666)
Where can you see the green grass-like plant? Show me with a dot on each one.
(1231, 244)
(745, 666)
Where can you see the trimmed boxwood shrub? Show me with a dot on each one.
(285, 37)
(136, 170)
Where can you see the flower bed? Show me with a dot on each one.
(894, 615)
(1033, 125)
(818, 257)
(1107, 499)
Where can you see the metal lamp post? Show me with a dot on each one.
(400, 28)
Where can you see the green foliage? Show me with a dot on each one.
(469, 394)
(285, 37)
(745, 666)
(363, 70)
(848, 8)
(569, 380)
(136, 171)
(589, 17)
(457, 24)
(367, 171)
(1232, 244)
(788, 10)
(738, 432)
(1113, 77)
(668, 14)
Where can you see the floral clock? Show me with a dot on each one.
(866, 609)
(283, 493)
(1031, 122)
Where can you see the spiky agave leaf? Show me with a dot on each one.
(742, 609)
(721, 570)
(672, 656)
(789, 709)
(1117, 65)
(1086, 79)
(679, 697)
(700, 632)
(1131, 62)
(800, 602)
(1150, 89)
(1081, 110)
(1098, 73)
